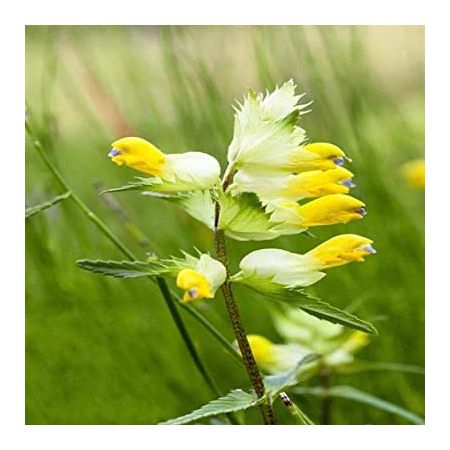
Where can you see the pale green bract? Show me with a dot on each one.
(265, 130)
(287, 269)
(242, 217)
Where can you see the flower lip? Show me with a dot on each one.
(369, 249)
(361, 211)
(348, 183)
(339, 161)
(193, 293)
(114, 152)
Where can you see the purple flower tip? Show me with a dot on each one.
(339, 161)
(113, 152)
(361, 211)
(369, 249)
(348, 183)
(192, 292)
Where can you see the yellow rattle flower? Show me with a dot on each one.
(173, 172)
(202, 279)
(341, 249)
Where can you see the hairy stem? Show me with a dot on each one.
(235, 317)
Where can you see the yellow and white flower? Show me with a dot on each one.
(334, 343)
(327, 210)
(266, 136)
(279, 187)
(170, 172)
(276, 269)
(275, 358)
(201, 277)
(305, 334)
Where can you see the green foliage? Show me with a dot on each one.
(236, 400)
(360, 366)
(32, 210)
(101, 351)
(275, 384)
(120, 269)
(311, 305)
(351, 393)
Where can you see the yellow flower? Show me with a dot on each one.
(334, 343)
(414, 173)
(340, 250)
(273, 268)
(274, 358)
(138, 154)
(201, 277)
(317, 183)
(317, 156)
(195, 284)
(173, 172)
(262, 349)
(356, 342)
(331, 209)
(276, 187)
(327, 210)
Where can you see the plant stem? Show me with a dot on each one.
(108, 233)
(235, 317)
(324, 375)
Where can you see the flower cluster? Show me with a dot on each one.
(303, 335)
(276, 184)
(273, 161)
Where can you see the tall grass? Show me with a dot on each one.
(106, 351)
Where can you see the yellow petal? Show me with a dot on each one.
(262, 349)
(331, 209)
(316, 183)
(355, 342)
(318, 156)
(340, 250)
(195, 284)
(138, 154)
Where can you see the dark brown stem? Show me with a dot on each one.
(235, 318)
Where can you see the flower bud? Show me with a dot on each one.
(201, 277)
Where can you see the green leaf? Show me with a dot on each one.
(311, 305)
(141, 184)
(236, 400)
(32, 210)
(121, 269)
(322, 310)
(275, 384)
(351, 393)
(359, 366)
(198, 204)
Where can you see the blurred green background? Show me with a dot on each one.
(105, 351)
